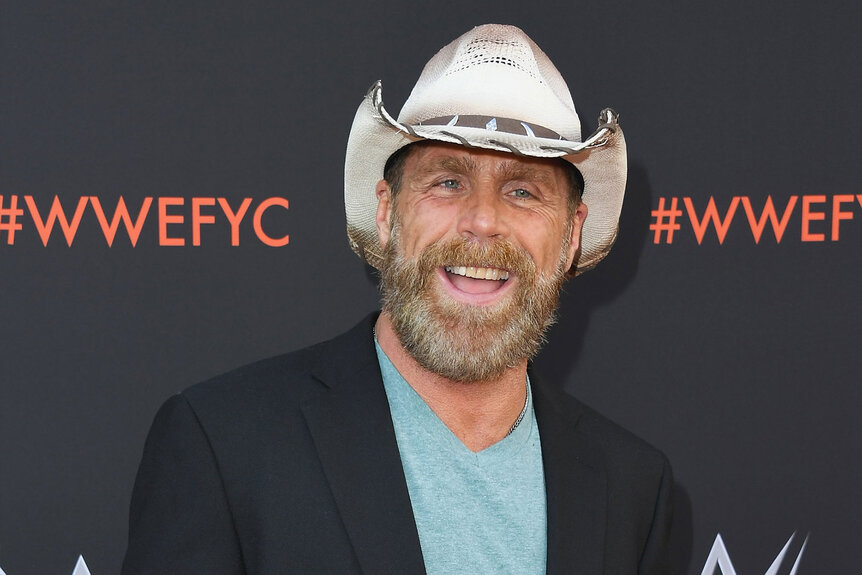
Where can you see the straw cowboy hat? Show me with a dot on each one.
(491, 88)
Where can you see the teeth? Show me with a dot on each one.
(478, 273)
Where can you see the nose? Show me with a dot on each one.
(483, 215)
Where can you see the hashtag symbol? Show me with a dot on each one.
(10, 214)
(661, 224)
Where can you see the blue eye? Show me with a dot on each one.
(450, 184)
(521, 193)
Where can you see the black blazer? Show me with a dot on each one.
(290, 465)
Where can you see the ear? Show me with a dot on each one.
(384, 212)
(577, 226)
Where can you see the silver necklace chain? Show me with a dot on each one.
(521, 415)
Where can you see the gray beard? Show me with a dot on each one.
(464, 342)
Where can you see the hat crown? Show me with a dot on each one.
(494, 70)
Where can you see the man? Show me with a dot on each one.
(417, 442)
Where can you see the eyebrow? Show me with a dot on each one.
(516, 171)
(510, 170)
(456, 164)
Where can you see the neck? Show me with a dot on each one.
(479, 413)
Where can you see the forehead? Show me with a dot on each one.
(434, 157)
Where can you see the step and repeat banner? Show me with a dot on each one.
(171, 207)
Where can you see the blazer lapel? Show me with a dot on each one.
(575, 484)
(353, 433)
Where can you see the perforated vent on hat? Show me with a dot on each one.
(493, 51)
(494, 70)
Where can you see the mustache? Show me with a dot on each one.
(497, 253)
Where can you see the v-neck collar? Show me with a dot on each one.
(408, 408)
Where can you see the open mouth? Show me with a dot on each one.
(478, 273)
(477, 285)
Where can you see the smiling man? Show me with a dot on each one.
(420, 442)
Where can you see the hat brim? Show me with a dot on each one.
(375, 136)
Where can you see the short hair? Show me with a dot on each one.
(393, 172)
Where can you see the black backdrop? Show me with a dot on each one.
(739, 358)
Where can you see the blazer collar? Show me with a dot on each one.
(575, 484)
(353, 433)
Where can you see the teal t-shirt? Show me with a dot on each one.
(476, 513)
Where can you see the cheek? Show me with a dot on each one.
(543, 237)
(423, 224)
(552, 251)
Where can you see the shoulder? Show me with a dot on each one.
(254, 414)
(286, 379)
(263, 401)
(603, 442)
(616, 439)
(284, 375)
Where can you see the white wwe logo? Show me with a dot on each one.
(718, 557)
(80, 567)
